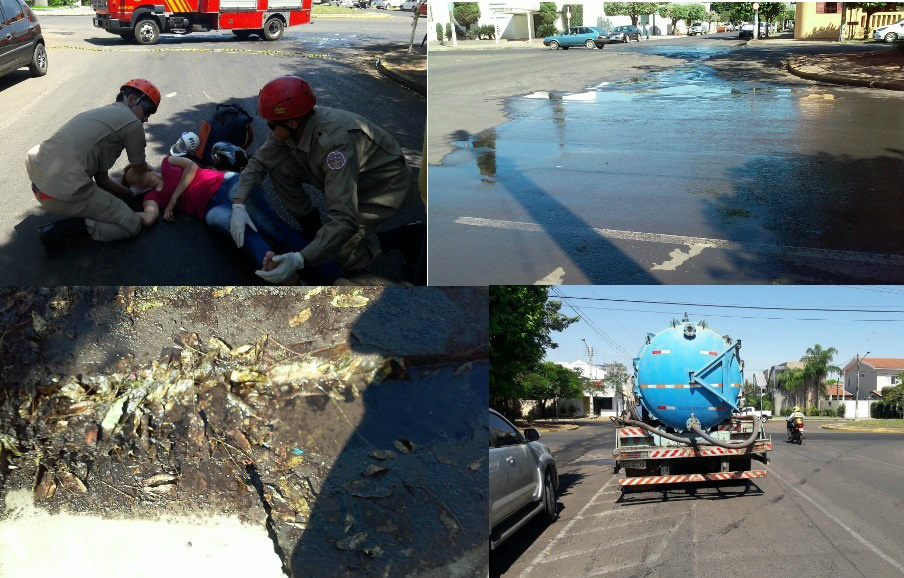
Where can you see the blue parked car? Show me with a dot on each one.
(588, 36)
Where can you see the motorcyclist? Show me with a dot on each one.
(796, 417)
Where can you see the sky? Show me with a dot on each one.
(768, 337)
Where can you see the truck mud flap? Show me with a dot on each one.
(691, 478)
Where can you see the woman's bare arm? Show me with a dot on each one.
(150, 213)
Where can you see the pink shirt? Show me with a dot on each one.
(195, 198)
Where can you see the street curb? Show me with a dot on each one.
(794, 67)
(567, 427)
(351, 16)
(399, 78)
(865, 430)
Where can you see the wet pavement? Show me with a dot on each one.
(695, 174)
(347, 428)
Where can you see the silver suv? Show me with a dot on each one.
(523, 479)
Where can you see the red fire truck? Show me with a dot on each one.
(144, 20)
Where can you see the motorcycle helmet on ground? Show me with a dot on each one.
(228, 157)
(187, 143)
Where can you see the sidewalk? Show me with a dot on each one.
(69, 11)
(883, 68)
(409, 70)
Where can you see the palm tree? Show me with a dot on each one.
(818, 366)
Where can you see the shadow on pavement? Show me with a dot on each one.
(822, 200)
(705, 491)
(427, 511)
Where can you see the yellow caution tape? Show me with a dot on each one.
(223, 50)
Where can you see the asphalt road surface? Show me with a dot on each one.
(828, 508)
(194, 73)
(717, 167)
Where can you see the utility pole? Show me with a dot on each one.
(857, 395)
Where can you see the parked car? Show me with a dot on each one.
(348, 3)
(388, 4)
(697, 28)
(625, 33)
(746, 30)
(423, 10)
(409, 5)
(765, 415)
(729, 27)
(523, 479)
(21, 41)
(764, 30)
(588, 36)
(889, 33)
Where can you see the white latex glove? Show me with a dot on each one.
(240, 219)
(288, 264)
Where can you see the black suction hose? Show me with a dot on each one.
(696, 429)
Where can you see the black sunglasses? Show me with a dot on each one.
(148, 107)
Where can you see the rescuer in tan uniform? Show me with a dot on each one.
(358, 166)
(69, 174)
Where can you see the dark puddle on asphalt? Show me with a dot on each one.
(714, 170)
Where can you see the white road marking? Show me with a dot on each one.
(628, 523)
(880, 461)
(554, 541)
(608, 545)
(856, 256)
(648, 562)
(554, 278)
(207, 95)
(19, 111)
(850, 530)
(170, 95)
(678, 258)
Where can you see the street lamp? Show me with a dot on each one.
(857, 395)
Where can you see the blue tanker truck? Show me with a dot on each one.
(680, 423)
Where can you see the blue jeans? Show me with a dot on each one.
(273, 234)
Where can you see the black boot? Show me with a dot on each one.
(55, 236)
(310, 224)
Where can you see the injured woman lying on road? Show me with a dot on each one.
(183, 186)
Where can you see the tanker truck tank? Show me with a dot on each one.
(688, 372)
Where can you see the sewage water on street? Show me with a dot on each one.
(695, 150)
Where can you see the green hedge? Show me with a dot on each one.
(884, 410)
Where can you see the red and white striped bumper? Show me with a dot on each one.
(688, 478)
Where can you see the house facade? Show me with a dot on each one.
(600, 402)
(822, 20)
(876, 373)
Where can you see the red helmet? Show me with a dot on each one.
(145, 87)
(285, 98)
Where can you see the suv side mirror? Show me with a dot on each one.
(531, 434)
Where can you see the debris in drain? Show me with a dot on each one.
(294, 427)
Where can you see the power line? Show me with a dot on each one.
(761, 307)
(701, 314)
(593, 326)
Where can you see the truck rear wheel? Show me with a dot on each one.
(147, 32)
(273, 28)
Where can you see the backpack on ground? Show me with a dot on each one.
(230, 123)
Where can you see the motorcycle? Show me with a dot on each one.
(795, 435)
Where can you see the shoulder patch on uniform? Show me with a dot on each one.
(335, 160)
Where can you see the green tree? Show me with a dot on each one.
(633, 9)
(466, 13)
(548, 17)
(674, 12)
(894, 396)
(818, 366)
(694, 13)
(552, 381)
(522, 320)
